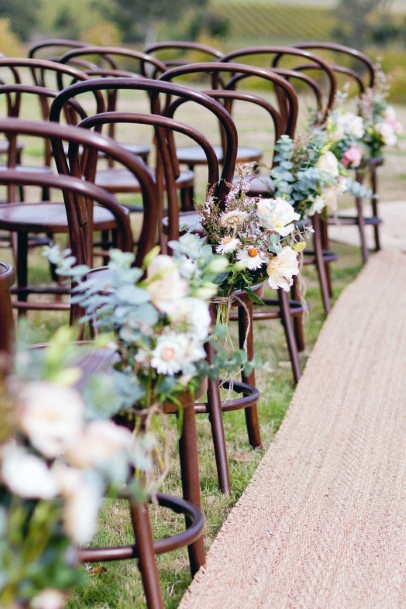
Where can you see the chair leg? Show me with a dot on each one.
(146, 560)
(245, 329)
(298, 326)
(22, 268)
(325, 243)
(186, 198)
(189, 467)
(321, 268)
(286, 318)
(375, 199)
(361, 222)
(217, 428)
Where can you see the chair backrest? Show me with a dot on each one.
(42, 48)
(160, 92)
(356, 65)
(167, 167)
(116, 58)
(276, 53)
(79, 192)
(226, 89)
(178, 53)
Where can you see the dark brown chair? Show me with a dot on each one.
(358, 68)
(321, 256)
(291, 313)
(54, 218)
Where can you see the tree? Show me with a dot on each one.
(355, 21)
(22, 15)
(137, 19)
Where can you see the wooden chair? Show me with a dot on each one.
(55, 218)
(320, 256)
(290, 313)
(166, 174)
(358, 68)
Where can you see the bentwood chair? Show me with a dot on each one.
(166, 174)
(356, 67)
(290, 313)
(276, 57)
(144, 549)
(56, 218)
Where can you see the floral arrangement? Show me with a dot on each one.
(160, 318)
(257, 235)
(57, 462)
(311, 172)
(380, 124)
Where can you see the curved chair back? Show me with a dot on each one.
(357, 65)
(167, 167)
(160, 92)
(117, 58)
(42, 48)
(275, 55)
(178, 53)
(284, 119)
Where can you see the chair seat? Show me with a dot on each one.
(123, 181)
(194, 155)
(47, 217)
(353, 220)
(33, 168)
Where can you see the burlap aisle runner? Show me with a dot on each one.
(323, 523)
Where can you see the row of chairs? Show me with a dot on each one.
(79, 149)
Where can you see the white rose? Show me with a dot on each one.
(281, 268)
(389, 114)
(98, 443)
(352, 124)
(168, 286)
(50, 415)
(27, 475)
(277, 215)
(328, 163)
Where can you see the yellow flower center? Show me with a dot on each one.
(168, 354)
(227, 240)
(252, 252)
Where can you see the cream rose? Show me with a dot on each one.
(277, 215)
(282, 268)
(27, 475)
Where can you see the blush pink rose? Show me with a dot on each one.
(353, 156)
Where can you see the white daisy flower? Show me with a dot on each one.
(233, 219)
(169, 354)
(277, 215)
(251, 257)
(228, 245)
(282, 268)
